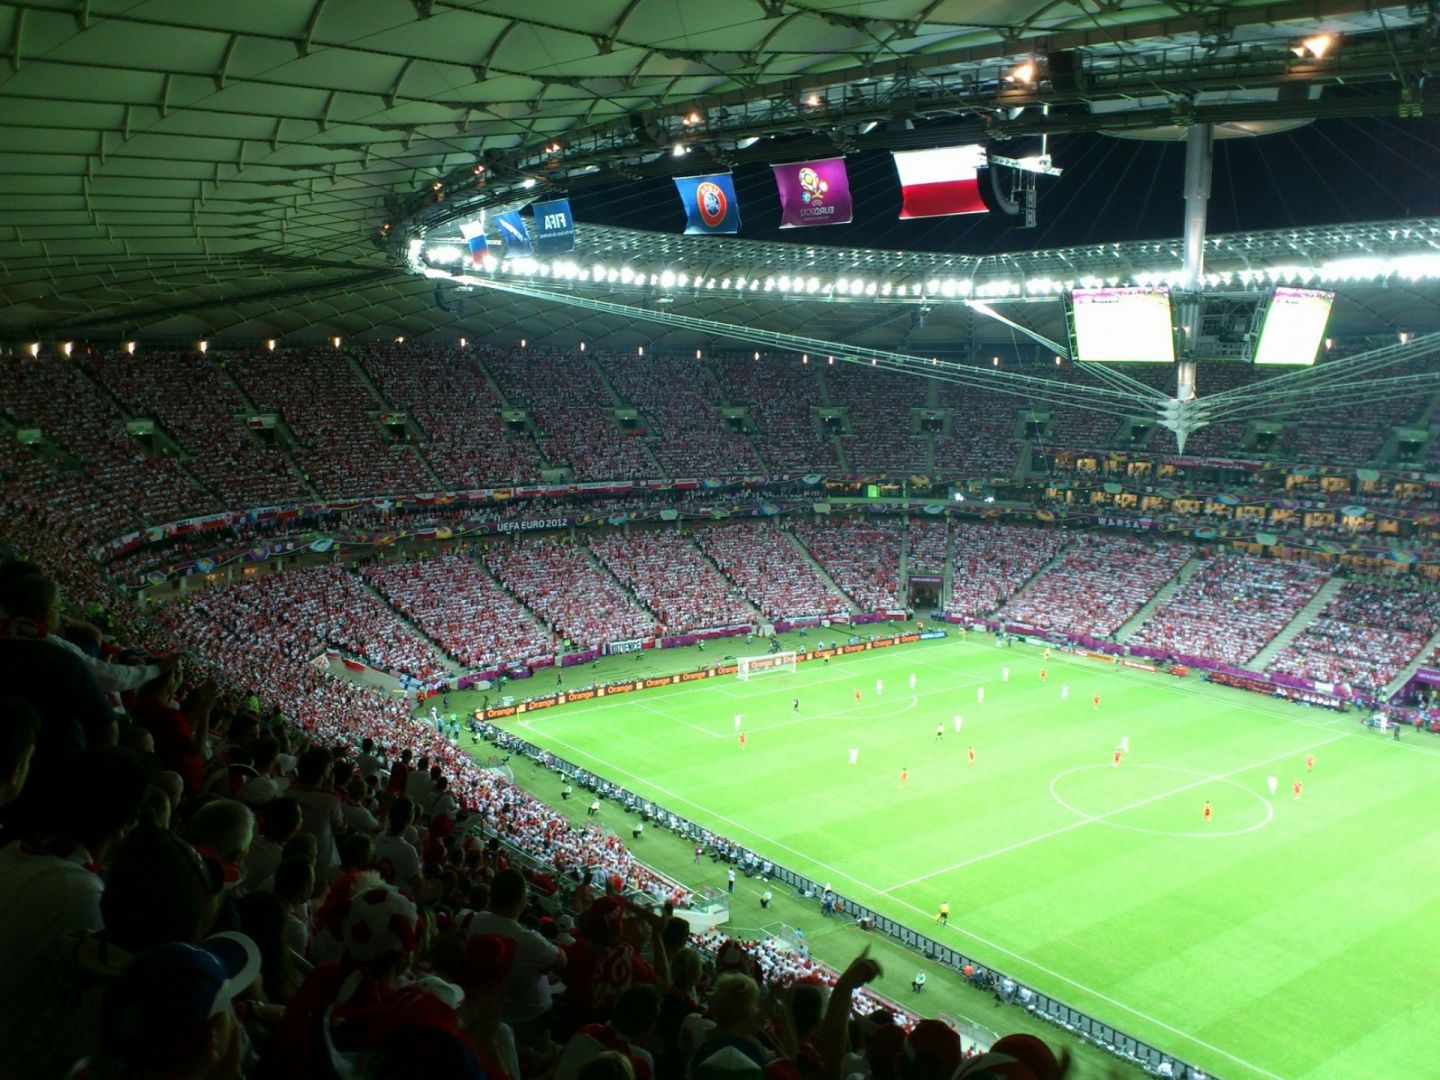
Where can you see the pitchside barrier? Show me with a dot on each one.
(1007, 989)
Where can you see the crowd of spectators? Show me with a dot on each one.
(455, 602)
(1231, 607)
(307, 611)
(672, 577)
(879, 404)
(1364, 637)
(780, 394)
(452, 400)
(562, 583)
(993, 561)
(679, 401)
(771, 571)
(334, 419)
(862, 557)
(928, 546)
(193, 400)
(981, 440)
(1097, 585)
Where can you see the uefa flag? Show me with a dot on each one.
(512, 228)
(710, 203)
(813, 193)
(474, 234)
(936, 183)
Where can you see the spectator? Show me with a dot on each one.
(320, 814)
(181, 740)
(527, 998)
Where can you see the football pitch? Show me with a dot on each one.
(1284, 937)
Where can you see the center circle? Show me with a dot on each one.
(1107, 817)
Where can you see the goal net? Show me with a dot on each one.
(764, 665)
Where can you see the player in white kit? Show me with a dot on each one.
(1125, 745)
(1272, 784)
(959, 723)
(980, 695)
(912, 682)
(1004, 674)
(1064, 692)
(854, 755)
(739, 720)
(879, 687)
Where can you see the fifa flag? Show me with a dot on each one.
(512, 228)
(710, 203)
(937, 183)
(813, 193)
(554, 227)
(474, 234)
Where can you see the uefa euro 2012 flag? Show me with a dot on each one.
(710, 203)
(813, 193)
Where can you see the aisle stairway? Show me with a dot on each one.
(1296, 626)
(824, 574)
(1415, 665)
(1169, 589)
(451, 664)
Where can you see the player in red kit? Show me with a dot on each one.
(904, 777)
(971, 755)
(1309, 762)
(857, 695)
(1296, 787)
(1207, 810)
(1095, 701)
(742, 740)
(1042, 674)
(1117, 757)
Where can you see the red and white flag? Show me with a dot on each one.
(937, 183)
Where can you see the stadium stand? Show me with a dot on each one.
(880, 442)
(1097, 585)
(446, 391)
(928, 545)
(561, 583)
(456, 603)
(1232, 606)
(993, 561)
(1364, 637)
(862, 557)
(780, 396)
(770, 571)
(328, 410)
(678, 398)
(671, 577)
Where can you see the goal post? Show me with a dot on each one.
(748, 666)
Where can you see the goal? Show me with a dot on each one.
(764, 665)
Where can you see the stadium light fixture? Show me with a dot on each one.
(640, 351)
(811, 101)
(1315, 47)
(678, 150)
(33, 348)
(582, 346)
(995, 362)
(66, 347)
(697, 354)
(130, 347)
(528, 182)
(1405, 336)
(693, 117)
(203, 345)
(805, 358)
(269, 345)
(335, 341)
(1022, 73)
(747, 142)
(464, 342)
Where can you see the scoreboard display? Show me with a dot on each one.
(1129, 325)
(1294, 326)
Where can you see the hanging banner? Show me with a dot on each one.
(474, 234)
(813, 193)
(512, 228)
(710, 203)
(554, 227)
(938, 183)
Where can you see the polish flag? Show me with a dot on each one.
(937, 183)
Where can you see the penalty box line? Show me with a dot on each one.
(1093, 818)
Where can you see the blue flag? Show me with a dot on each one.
(512, 228)
(710, 203)
(554, 227)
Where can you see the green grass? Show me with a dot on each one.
(1286, 938)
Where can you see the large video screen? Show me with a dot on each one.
(1123, 326)
(1294, 326)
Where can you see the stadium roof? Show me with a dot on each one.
(180, 169)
